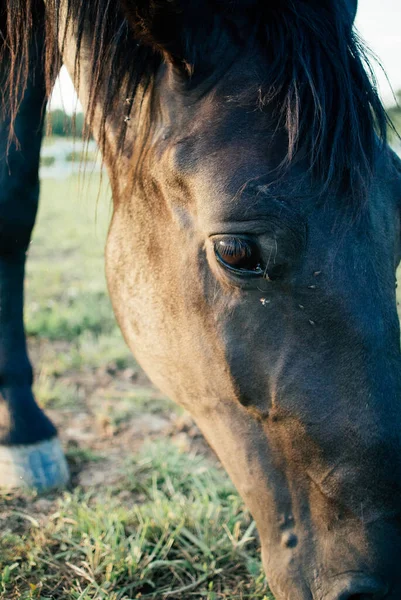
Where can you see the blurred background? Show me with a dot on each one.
(149, 510)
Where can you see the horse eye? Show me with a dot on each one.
(238, 254)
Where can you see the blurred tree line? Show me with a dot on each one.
(61, 124)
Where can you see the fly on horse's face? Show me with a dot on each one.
(251, 259)
(270, 314)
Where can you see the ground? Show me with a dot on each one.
(149, 513)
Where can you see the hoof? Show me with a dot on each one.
(40, 466)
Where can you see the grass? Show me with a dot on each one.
(146, 516)
(47, 161)
(187, 537)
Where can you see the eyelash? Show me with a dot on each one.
(239, 255)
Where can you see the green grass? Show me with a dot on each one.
(51, 393)
(187, 537)
(47, 161)
(66, 297)
(65, 285)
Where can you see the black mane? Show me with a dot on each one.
(317, 81)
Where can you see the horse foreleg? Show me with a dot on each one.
(30, 453)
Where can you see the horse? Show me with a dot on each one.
(250, 259)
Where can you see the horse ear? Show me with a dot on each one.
(161, 24)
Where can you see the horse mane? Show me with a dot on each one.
(317, 79)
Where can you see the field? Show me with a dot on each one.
(149, 513)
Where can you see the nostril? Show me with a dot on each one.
(360, 589)
(363, 596)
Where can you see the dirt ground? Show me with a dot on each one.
(115, 412)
